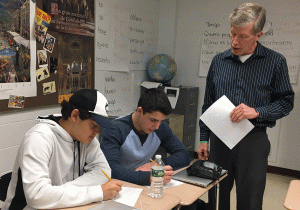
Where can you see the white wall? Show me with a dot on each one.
(190, 17)
(13, 126)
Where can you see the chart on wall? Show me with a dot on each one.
(17, 49)
(281, 33)
(118, 89)
(283, 36)
(216, 39)
(126, 34)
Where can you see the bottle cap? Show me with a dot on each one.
(158, 156)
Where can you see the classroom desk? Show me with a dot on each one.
(184, 194)
(168, 201)
(189, 193)
(292, 199)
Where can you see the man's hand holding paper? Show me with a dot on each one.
(221, 118)
(241, 112)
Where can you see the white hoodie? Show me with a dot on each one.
(46, 160)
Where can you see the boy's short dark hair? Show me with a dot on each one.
(67, 108)
(154, 99)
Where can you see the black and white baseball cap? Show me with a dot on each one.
(95, 103)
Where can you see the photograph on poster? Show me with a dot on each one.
(49, 43)
(41, 25)
(42, 57)
(53, 65)
(16, 101)
(42, 73)
(49, 87)
(75, 71)
(40, 33)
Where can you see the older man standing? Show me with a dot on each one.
(256, 81)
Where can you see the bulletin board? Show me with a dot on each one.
(63, 57)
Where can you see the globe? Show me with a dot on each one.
(162, 68)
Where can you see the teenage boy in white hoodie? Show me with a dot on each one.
(59, 163)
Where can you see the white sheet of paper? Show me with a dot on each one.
(216, 117)
(128, 196)
(172, 183)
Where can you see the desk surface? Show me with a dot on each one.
(168, 201)
(292, 199)
(188, 193)
(184, 194)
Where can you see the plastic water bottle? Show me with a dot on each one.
(157, 177)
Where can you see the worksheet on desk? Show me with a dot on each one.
(128, 196)
(216, 117)
(172, 183)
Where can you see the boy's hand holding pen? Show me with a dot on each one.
(168, 172)
(111, 188)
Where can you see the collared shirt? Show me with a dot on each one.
(261, 82)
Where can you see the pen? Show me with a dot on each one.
(154, 162)
(106, 175)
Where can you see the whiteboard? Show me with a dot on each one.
(126, 34)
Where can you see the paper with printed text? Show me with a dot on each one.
(216, 117)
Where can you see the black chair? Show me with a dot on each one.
(4, 182)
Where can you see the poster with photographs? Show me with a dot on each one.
(49, 43)
(42, 58)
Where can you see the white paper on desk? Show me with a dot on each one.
(172, 183)
(216, 117)
(128, 196)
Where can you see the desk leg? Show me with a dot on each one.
(177, 207)
(212, 198)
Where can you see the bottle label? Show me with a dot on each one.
(158, 173)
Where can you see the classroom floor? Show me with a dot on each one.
(274, 196)
(276, 189)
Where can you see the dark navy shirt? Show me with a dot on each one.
(261, 82)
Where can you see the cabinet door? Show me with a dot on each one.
(190, 122)
(189, 141)
(187, 100)
(192, 100)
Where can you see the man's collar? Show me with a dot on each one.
(259, 51)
